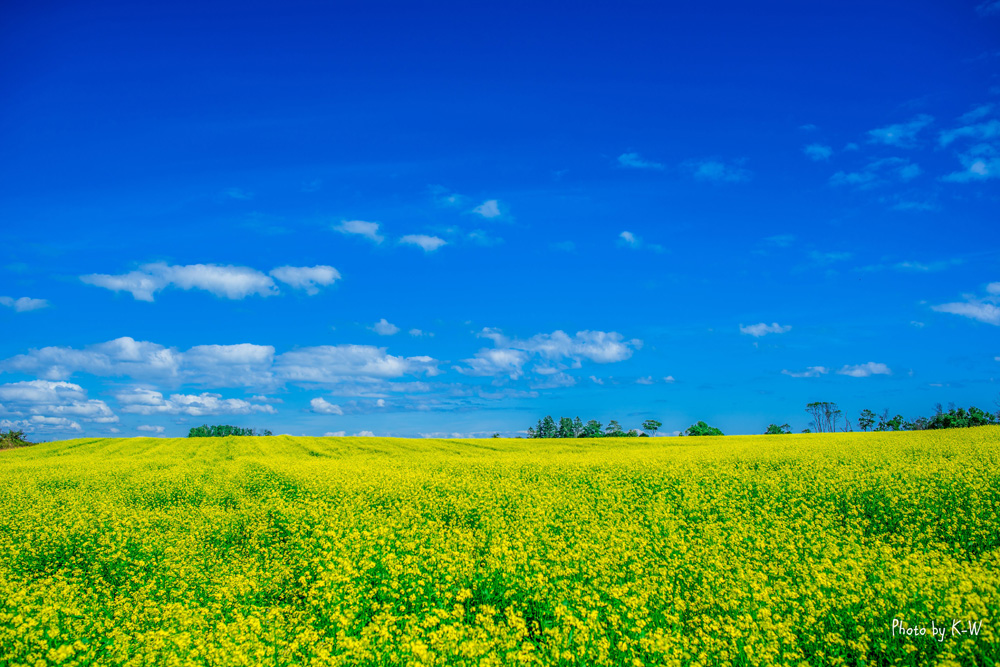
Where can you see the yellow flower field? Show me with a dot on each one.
(747, 550)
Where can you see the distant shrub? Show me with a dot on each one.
(11, 438)
(701, 428)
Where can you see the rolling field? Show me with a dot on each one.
(747, 550)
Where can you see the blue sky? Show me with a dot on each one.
(455, 219)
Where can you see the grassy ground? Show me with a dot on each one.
(756, 550)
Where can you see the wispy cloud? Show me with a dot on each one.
(983, 309)
(762, 329)
(368, 230)
(865, 370)
(810, 372)
(488, 209)
(980, 163)
(988, 8)
(878, 172)
(717, 171)
(630, 240)
(635, 161)
(23, 304)
(818, 152)
(426, 243)
(902, 135)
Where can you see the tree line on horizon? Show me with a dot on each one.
(566, 427)
(827, 417)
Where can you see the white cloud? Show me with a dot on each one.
(635, 161)
(335, 434)
(762, 329)
(983, 309)
(417, 333)
(53, 399)
(865, 370)
(669, 379)
(239, 365)
(149, 402)
(307, 278)
(364, 434)
(338, 363)
(645, 380)
(151, 429)
(510, 355)
(818, 152)
(716, 170)
(488, 209)
(596, 380)
(23, 304)
(976, 310)
(385, 328)
(40, 424)
(369, 230)
(497, 362)
(324, 407)
(232, 282)
(901, 134)
(810, 372)
(427, 243)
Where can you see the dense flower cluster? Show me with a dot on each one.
(655, 551)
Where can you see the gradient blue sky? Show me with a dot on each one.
(457, 218)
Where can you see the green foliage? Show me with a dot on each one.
(566, 428)
(11, 438)
(651, 426)
(593, 429)
(774, 429)
(224, 430)
(701, 428)
(866, 420)
(614, 430)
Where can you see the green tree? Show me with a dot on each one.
(565, 428)
(593, 429)
(651, 426)
(577, 428)
(701, 428)
(548, 428)
(774, 429)
(614, 430)
(866, 420)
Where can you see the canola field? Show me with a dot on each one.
(748, 550)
